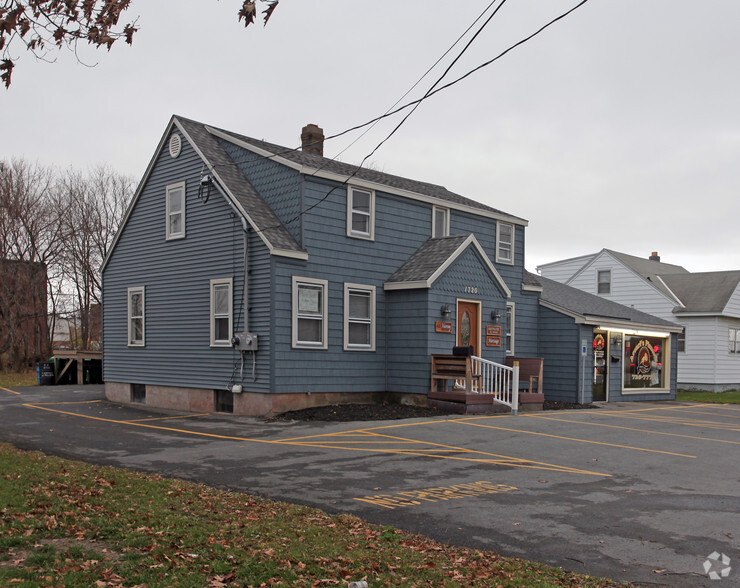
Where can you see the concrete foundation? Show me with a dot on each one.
(250, 403)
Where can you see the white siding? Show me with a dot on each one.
(698, 364)
(733, 304)
(562, 271)
(626, 287)
(728, 364)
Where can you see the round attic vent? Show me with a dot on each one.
(175, 145)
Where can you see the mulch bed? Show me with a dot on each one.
(343, 413)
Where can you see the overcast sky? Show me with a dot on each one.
(617, 127)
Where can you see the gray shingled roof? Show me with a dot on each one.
(427, 260)
(704, 291)
(263, 219)
(345, 169)
(587, 305)
(649, 269)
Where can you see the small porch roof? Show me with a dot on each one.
(433, 258)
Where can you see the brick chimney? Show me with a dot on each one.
(654, 256)
(312, 140)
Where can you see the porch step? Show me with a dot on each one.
(462, 403)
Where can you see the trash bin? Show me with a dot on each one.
(45, 373)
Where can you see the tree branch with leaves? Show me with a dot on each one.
(43, 26)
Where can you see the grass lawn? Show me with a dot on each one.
(66, 523)
(9, 379)
(730, 397)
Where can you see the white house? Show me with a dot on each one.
(706, 304)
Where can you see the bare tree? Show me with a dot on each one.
(30, 241)
(95, 206)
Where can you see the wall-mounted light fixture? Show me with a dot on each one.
(445, 310)
(495, 316)
(616, 339)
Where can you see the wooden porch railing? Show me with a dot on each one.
(499, 380)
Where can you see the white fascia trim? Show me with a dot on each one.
(360, 183)
(528, 288)
(462, 247)
(443, 268)
(254, 149)
(680, 302)
(585, 258)
(225, 188)
(290, 253)
(138, 192)
(629, 326)
(406, 285)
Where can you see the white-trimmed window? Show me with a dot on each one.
(136, 316)
(360, 213)
(681, 341)
(604, 281)
(734, 340)
(309, 313)
(504, 243)
(510, 326)
(440, 222)
(359, 317)
(176, 211)
(222, 315)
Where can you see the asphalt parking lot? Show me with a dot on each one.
(639, 492)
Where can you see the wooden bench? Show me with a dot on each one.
(531, 395)
(452, 368)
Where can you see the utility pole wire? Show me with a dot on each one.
(461, 78)
(425, 74)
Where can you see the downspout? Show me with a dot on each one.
(207, 180)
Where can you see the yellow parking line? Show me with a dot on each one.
(167, 418)
(9, 390)
(501, 459)
(578, 440)
(563, 420)
(681, 421)
(63, 403)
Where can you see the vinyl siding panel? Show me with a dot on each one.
(626, 288)
(699, 363)
(732, 308)
(176, 275)
(562, 271)
(728, 364)
(560, 349)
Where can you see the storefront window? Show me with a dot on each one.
(644, 362)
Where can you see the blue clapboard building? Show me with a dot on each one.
(255, 278)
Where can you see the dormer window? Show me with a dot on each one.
(440, 222)
(604, 279)
(360, 213)
(175, 221)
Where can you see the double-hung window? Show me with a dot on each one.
(440, 222)
(734, 340)
(175, 211)
(604, 281)
(360, 213)
(504, 243)
(309, 313)
(136, 316)
(222, 315)
(359, 317)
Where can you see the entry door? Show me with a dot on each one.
(468, 319)
(600, 369)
